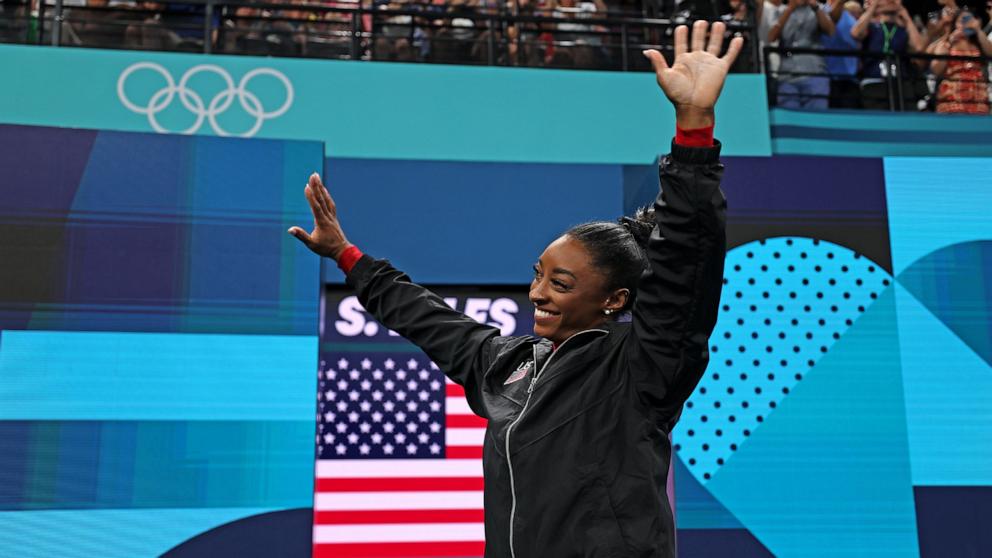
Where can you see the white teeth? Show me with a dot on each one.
(542, 314)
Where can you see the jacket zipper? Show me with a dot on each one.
(530, 391)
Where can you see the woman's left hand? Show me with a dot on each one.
(694, 81)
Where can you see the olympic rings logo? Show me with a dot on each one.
(193, 102)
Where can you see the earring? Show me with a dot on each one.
(607, 311)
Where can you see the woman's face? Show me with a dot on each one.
(568, 292)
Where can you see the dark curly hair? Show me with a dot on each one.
(618, 249)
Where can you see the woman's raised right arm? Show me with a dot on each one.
(460, 346)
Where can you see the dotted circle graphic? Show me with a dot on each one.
(785, 302)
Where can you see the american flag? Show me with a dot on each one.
(399, 466)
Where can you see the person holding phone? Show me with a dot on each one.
(963, 88)
(577, 451)
(802, 77)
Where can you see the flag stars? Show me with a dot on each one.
(376, 438)
(388, 449)
(342, 406)
(423, 416)
(400, 438)
(329, 416)
(435, 449)
(401, 417)
(366, 364)
(328, 438)
(411, 427)
(433, 366)
(388, 406)
(411, 406)
(435, 406)
(342, 364)
(352, 438)
(423, 395)
(401, 375)
(389, 385)
(388, 427)
(365, 427)
(411, 449)
(376, 416)
(435, 427)
(377, 374)
(401, 396)
(353, 395)
(354, 374)
(389, 364)
(435, 385)
(411, 364)
(331, 375)
(340, 449)
(377, 395)
(353, 417)
(411, 385)
(364, 449)
(366, 385)
(423, 437)
(365, 406)
(424, 375)
(342, 385)
(341, 427)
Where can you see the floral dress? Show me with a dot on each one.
(964, 88)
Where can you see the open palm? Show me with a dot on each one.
(696, 77)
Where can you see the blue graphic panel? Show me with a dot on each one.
(828, 473)
(941, 233)
(158, 338)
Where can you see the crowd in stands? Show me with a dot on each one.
(882, 72)
(887, 74)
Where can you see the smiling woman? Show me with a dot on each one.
(576, 457)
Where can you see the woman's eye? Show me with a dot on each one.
(560, 285)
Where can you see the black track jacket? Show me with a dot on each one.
(576, 454)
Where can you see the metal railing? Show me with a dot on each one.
(506, 34)
(903, 81)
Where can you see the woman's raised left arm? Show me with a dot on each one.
(677, 300)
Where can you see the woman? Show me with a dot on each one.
(576, 453)
(963, 87)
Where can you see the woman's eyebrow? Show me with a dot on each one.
(564, 272)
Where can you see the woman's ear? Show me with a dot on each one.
(617, 300)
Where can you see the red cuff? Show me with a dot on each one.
(697, 137)
(349, 258)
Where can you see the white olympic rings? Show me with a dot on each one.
(194, 103)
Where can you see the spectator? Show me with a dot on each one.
(964, 86)
(843, 70)
(768, 13)
(738, 13)
(578, 44)
(802, 80)
(886, 31)
(941, 22)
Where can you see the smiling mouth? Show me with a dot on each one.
(538, 313)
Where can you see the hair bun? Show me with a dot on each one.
(640, 227)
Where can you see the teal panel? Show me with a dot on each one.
(948, 393)
(852, 148)
(828, 473)
(876, 121)
(444, 112)
(51, 375)
(933, 204)
(108, 533)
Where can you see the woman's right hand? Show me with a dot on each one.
(326, 239)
